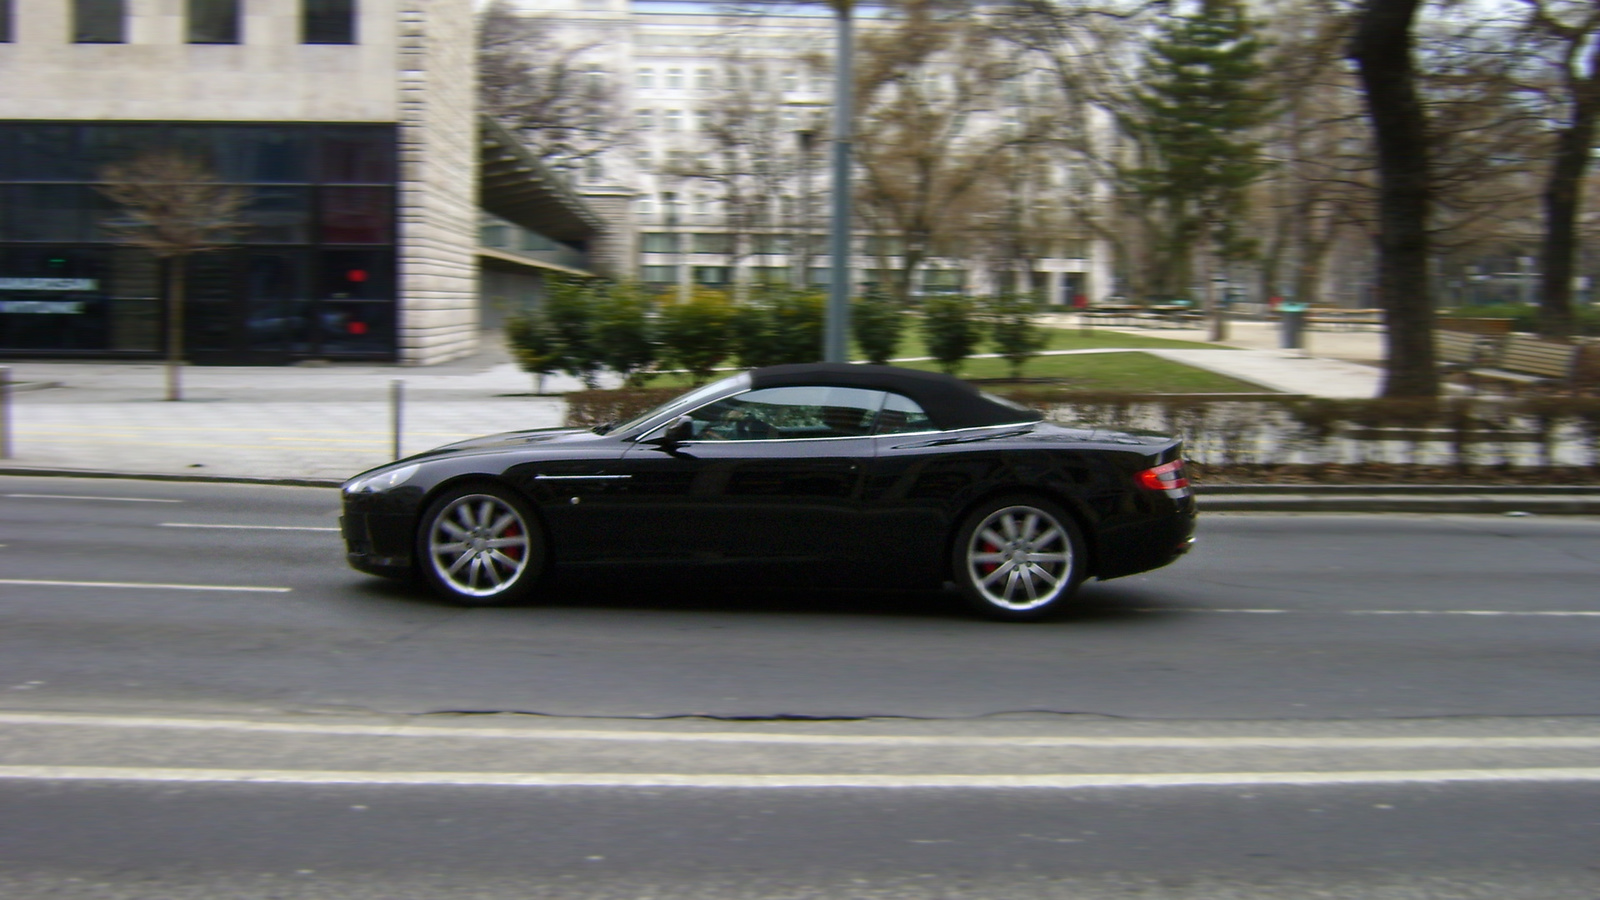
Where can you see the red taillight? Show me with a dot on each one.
(1165, 477)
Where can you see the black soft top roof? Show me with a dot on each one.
(949, 402)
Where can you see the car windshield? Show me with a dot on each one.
(683, 403)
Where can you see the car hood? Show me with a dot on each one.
(512, 440)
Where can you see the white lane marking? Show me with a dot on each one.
(250, 527)
(86, 497)
(673, 779)
(141, 585)
(1381, 612)
(1331, 742)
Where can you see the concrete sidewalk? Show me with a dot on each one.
(325, 423)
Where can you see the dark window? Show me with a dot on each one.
(357, 215)
(713, 275)
(5, 22)
(658, 242)
(328, 22)
(901, 415)
(99, 21)
(277, 215)
(790, 412)
(357, 156)
(260, 155)
(54, 212)
(38, 153)
(213, 21)
(355, 309)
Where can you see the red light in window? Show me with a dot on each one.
(356, 275)
(1165, 477)
(356, 327)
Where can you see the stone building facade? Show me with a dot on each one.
(351, 127)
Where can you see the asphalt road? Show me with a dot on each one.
(154, 594)
(197, 699)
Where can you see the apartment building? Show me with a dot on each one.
(724, 123)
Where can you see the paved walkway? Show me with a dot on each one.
(325, 423)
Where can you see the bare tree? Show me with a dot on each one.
(1567, 41)
(936, 123)
(174, 207)
(547, 92)
(744, 156)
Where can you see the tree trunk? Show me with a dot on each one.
(175, 269)
(1562, 200)
(1382, 50)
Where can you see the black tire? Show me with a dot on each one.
(1018, 559)
(480, 545)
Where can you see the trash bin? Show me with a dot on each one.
(1292, 317)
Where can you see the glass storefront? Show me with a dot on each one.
(311, 274)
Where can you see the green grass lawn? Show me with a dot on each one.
(1134, 372)
(912, 345)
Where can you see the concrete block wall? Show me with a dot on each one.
(614, 253)
(438, 216)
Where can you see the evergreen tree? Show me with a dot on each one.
(1194, 123)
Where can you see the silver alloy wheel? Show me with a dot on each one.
(1020, 558)
(478, 545)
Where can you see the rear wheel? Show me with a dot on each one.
(480, 546)
(1018, 558)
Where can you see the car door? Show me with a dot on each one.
(768, 477)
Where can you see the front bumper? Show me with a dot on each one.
(377, 543)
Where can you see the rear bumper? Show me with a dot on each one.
(1142, 546)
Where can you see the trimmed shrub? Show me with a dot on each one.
(696, 334)
(1013, 331)
(624, 335)
(534, 345)
(951, 329)
(779, 326)
(878, 323)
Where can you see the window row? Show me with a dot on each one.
(783, 244)
(205, 21)
(278, 301)
(705, 79)
(933, 281)
(704, 120)
(273, 214)
(259, 154)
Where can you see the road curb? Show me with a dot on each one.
(1553, 499)
(34, 472)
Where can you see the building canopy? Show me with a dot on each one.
(515, 186)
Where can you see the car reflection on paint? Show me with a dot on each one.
(819, 475)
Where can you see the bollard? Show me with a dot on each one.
(5, 412)
(396, 396)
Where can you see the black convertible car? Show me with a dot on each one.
(818, 474)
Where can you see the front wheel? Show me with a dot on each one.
(480, 546)
(1018, 559)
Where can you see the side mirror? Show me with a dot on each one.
(676, 432)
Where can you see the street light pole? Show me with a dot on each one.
(837, 323)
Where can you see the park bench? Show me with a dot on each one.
(1460, 351)
(1527, 360)
(1352, 319)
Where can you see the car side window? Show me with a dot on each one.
(790, 413)
(901, 415)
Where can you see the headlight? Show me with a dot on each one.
(381, 481)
